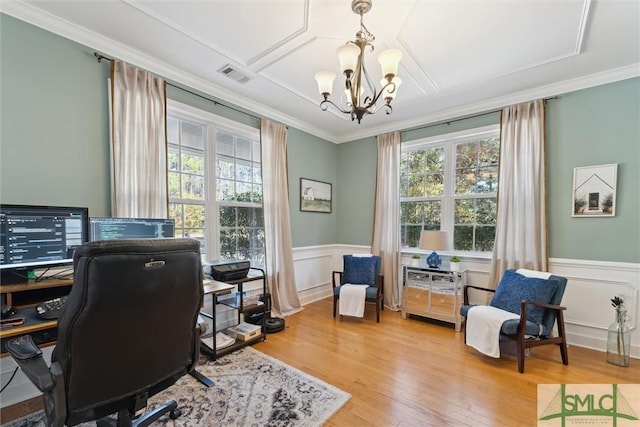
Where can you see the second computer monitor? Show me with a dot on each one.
(130, 228)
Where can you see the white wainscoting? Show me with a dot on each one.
(590, 287)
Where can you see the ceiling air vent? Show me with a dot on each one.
(234, 74)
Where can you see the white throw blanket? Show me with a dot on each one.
(483, 325)
(352, 299)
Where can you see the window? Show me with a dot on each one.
(450, 182)
(215, 184)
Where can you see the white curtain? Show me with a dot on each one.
(521, 231)
(281, 278)
(138, 143)
(386, 234)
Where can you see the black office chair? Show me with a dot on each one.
(128, 331)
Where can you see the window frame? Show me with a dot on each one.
(212, 123)
(448, 199)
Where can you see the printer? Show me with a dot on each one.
(225, 270)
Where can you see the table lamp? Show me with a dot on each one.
(434, 241)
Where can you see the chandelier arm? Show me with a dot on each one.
(371, 111)
(375, 99)
(324, 105)
(372, 88)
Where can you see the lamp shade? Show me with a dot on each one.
(389, 61)
(391, 91)
(434, 240)
(325, 81)
(348, 56)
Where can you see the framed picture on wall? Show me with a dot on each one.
(594, 191)
(315, 196)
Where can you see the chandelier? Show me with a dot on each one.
(361, 94)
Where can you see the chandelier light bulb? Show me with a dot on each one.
(325, 82)
(389, 61)
(348, 56)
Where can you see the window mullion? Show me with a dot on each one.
(212, 212)
(448, 203)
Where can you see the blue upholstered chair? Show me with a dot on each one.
(360, 271)
(537, 301)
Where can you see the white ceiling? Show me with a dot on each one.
(460, 56)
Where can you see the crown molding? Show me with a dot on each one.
(25, 12)
(111, 48)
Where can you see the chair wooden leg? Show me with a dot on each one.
(520, 348)
(335, 305)
(377, 313)
(464, 331)
(563, 345)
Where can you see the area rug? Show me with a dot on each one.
(250, 389)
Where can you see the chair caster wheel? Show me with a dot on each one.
(175, 413)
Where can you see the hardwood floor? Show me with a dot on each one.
(416, 373)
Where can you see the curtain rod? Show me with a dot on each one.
(448, 122)
(100, 57)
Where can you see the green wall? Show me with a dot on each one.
(595, 126)
(54, 149)
(314, 158)
(53, 121)
(357, 164)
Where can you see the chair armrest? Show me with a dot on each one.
(29, 358)
(333, 278)
(480, 288)
(523, 313)
(544, 305)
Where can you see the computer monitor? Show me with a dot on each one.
(130, 228)
(39, 237)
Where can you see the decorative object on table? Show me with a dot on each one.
(454, 263)
(434, 241)
(415, 260)
(250, 389)
(315, 196)
(619, 335)
(594, 191)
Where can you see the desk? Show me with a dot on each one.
(24, 297)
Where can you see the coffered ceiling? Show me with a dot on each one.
(460, 56)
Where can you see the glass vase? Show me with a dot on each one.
(619, 341)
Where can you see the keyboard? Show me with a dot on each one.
(51, 309)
